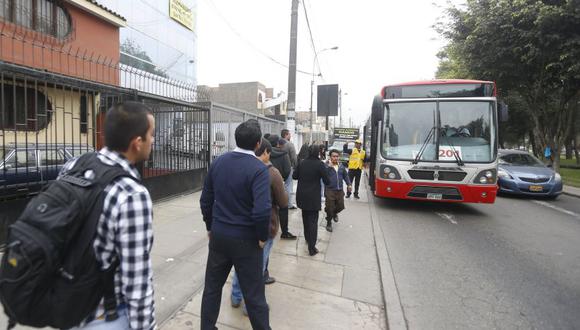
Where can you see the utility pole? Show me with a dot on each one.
(291, 110)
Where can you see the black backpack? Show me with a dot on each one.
(49, 275)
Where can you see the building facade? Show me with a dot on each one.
(251, 96)
(160, 37)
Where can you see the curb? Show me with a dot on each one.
(571, 194)
(394, 314)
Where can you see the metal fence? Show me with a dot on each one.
(224, 121)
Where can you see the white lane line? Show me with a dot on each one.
(559, 209)
(448, 217)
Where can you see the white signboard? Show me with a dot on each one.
(446, 152)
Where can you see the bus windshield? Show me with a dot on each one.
(448, 130)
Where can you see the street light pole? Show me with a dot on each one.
(312, 88)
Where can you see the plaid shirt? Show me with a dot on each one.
(125, 231)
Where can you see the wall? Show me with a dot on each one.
(91, 38)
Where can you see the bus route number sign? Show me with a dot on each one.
(446, 153)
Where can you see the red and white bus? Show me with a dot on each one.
(435, 140)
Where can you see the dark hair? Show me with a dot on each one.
(284, 133)
(265, 146)
(124, 122)
(314, 151)
(303, 153)
(334, 151)
(267, 135)
(273, 139)
(248, 134)
(322, 151)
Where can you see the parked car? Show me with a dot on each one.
(520, 173)
(24, 169)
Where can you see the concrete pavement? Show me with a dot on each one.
(337, 289)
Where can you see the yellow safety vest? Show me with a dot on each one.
(355, 162)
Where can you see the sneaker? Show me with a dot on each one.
(356, 196)
(335, 218)
(329, 228)
(347, 196)
(288, 235)
(313, 252)
(270, 280)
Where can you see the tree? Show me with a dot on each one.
(531, 48)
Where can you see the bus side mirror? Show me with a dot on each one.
(503, 112)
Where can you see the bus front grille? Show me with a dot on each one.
(421, 175)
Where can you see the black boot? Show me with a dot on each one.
(329, 226)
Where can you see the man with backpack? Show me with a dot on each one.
(87, 238)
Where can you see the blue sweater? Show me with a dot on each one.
(236, 200)
(336, 178)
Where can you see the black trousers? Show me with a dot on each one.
(354, 176)
(283, 213)
(247, 258)
(310, 222)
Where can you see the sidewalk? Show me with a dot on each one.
(337, 289)
(571, 191)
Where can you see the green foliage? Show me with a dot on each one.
(531, 48)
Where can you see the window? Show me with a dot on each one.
(51, 157)
(23, 109)
(84, 117)
(21, 159)
(44, 16)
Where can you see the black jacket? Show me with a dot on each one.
(308, 173)
(281, 161)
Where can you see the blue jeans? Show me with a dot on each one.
(289, 187)
(122, 323)
(237, 296)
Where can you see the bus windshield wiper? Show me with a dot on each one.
(455, 153)
(423, 146)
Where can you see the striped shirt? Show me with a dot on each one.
(125, 232)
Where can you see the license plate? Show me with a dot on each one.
(435, 196)
(536, 188)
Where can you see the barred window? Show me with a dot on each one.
(23, 109)
(44, 16)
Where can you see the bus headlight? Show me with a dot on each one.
(389, 172)
(486, 177)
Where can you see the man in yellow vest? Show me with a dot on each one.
(355, 166)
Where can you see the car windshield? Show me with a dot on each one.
(520, 160)
(463, 128)
(3, 153)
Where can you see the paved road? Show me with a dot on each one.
(511, 265)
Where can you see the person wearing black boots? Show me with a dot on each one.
(309, 172)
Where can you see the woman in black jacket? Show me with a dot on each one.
(309, 172)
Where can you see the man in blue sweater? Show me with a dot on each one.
(236, 207)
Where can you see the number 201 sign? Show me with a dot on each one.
(446, 153)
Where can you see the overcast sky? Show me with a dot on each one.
(380, 42)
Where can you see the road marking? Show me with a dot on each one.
(559, 209)
(448, 217)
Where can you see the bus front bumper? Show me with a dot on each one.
(437, 192)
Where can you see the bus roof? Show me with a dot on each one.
(441, 82)
(414, 89)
